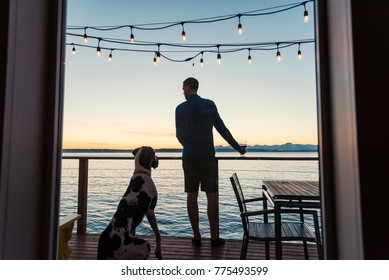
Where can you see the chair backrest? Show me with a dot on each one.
(238, 193)
(240, 198)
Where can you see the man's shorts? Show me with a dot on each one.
(200, 171)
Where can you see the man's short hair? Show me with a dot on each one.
(192, 83)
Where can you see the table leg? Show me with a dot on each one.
(277, 228)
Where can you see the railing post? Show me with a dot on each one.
(217, 195)
(82, 194)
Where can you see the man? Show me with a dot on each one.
(195, 119)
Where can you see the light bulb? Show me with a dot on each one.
(155, 61)
(219, 58)
(201, 62)
(306, 17)
(249, 60)
(98, 51)
(158, 56)
(278, 56)
(85, 38)
(299, 54)
(132, 38)
(183, 35)
(110, 57)
(73, 50)
(240, 28)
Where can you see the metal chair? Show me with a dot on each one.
(265, 229)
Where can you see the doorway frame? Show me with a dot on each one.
(40, 138)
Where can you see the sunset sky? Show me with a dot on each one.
(129, 102)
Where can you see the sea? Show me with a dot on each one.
(109, 179)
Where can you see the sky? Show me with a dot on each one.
(129, 102)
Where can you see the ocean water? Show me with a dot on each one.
(108, 180)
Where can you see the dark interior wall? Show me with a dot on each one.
(29, 132)
(4, 6)
(370, 22)
(338, 141)
(30, 79)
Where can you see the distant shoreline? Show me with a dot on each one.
(287, 147)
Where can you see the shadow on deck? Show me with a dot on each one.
(84, 247)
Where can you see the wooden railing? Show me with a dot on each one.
(83, 168)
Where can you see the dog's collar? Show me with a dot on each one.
(144, 171)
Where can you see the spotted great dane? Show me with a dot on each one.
(118, 240)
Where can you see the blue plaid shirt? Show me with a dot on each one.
(195, 119)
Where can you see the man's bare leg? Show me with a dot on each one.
(193, 213)
(213, 214)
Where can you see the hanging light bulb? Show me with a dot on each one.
(98, 48)
(219, 57)
(183, 34)
(240, 28)
(306, 16)
(158, 54)
(202, 60)
(110, 56)
(73, 50)
(132, 38)
(85, 36)
(249, 57)
(279, 58)
(299, 54)
(278, 55)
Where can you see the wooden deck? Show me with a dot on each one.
(178, 248)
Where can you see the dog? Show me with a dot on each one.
(118, 240)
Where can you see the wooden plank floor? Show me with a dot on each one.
(84, 247)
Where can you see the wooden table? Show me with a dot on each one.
(293, 194)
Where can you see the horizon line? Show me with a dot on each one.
(179, 149)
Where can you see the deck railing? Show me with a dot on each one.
(83, 169)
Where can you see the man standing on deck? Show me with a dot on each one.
(195, 119)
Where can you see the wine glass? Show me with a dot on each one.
(243, 143)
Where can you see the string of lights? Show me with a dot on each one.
(196, 50)
(165, 25)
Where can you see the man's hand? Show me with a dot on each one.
(242, 150)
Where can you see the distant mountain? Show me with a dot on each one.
(95, 151)
(287, 147)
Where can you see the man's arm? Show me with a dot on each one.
(223, 130)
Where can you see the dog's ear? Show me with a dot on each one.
(134, 152)
(154, 163)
